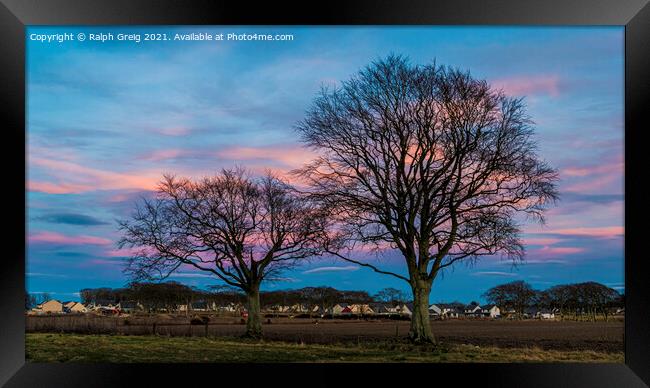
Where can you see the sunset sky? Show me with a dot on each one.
(106, 120)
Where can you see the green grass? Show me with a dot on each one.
(147, 349)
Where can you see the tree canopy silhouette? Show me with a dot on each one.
(240, 229)
(426, 160)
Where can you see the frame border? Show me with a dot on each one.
(16, 14)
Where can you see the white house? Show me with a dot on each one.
(472, 310)
(406, 309)
(443, 310)
(491, 311)
(435, 310)
(545, 314)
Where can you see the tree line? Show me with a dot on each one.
(572, 301)
(169, 295)
(577, 300)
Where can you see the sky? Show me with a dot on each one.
(106, 119)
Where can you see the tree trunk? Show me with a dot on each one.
(420, 324)
(253, 323)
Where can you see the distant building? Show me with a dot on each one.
(74, 307)
(545, 314)
(472, 311)
(338, 308)
(491, 311)
(444, 310)
(50, 307)
(380, 308)
(361, 309)
(346, 311)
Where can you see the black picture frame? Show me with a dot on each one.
(16, 14)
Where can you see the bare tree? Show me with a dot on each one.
(426, 160)
(239, 229)
(391, 295)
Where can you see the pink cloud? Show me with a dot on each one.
(595, 177)
(76, 178)
(124, 252)
(538, 84)
(598, 183)
(56, 188)
(58, 238)
(606, 232)
(159, 155)
(541, 241)
(559, 250)
(592, 170)
(291, 156)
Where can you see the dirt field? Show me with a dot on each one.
(547, 335)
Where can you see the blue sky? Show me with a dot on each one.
(106, 120)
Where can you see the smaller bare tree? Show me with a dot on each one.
(240, 229)
(391, 295)
(515, 295)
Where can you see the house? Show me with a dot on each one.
(50, 307)
(74, 307)
(380, 308)
(455, 312)
(360, 309)
(406, 308)
(377, 308)
(400, 308)
(435, 310)
(392, 309)
(338, 308)
(299, 308)
(491, 311)
(472, 310)
(278, 308)
(443, 310)
(346, 311)
(545, 314)
(102, 304)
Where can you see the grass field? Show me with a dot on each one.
(46, 347)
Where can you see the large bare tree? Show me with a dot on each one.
(426, 160)
(240, 229)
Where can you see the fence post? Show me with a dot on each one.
(154, 328)
(206, 330)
